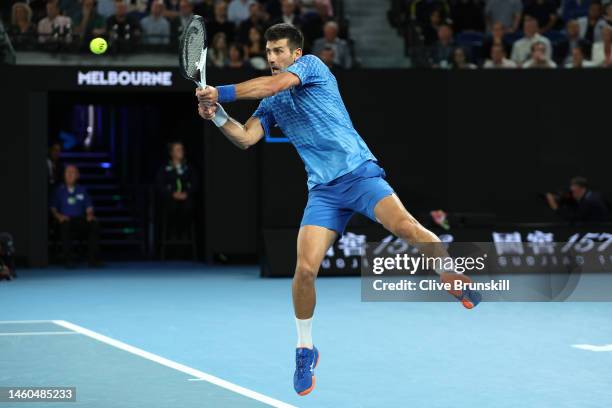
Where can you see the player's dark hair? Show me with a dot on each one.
(295, 38)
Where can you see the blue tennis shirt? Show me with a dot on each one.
(71, 203)
(314, 119)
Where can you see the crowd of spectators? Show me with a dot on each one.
(235, 27)
(505, 33)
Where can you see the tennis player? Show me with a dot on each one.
(302, 98)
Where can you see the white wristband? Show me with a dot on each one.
(220, 117)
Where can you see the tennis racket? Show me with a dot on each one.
(192, 51)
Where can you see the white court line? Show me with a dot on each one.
(177, 366)
(24, 321)
(590, 347)
(48, 333)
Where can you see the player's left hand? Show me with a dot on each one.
(208, 95)
(207, 111)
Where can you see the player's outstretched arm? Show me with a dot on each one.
(257, 88)
(243, 136)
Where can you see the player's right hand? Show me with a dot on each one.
(208, 95)
(207, 111)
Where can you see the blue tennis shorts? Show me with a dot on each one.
(332, 205)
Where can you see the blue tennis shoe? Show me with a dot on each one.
(306, 361)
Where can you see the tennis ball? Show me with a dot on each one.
(98, 45)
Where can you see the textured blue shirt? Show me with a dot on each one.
(71, 203)
(313, 117)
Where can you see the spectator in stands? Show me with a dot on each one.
(171, 9)
(218, 54)
(312, 26)
(496, 37)
(578, 60)
(419, 11)
(508, 12)
(564, 49)
(522, 48)
(545, 11)
(442, 52)
(38, 8)
(70, 8)
(574, 9)
(256, 19)
(579, 205)
(220, 23)
(185, 12)
(72, 208)
(106, 8)
(460, 60)
(21, 30)
(592, 25)
(608, 16)
(236, 56)
(205, 8)
(272, 8)
(88, 23)
(255, 49)
(430, 30)
(289, 14)
(55, 169)
(330, 38)
(255, 46)
(54, 27)
(177, 182)
(539, 57)
(138, 8)
(327, 55)
(155, 27)
(602, 50)
(498, 58)
(238, 11)
(323, 7)
(468, 15)
(123, 29)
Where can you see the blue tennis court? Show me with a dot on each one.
(179, 334)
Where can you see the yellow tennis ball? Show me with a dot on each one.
(98, 45)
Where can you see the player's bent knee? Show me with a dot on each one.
(305, 272)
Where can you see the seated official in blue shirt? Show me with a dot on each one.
(72, 208)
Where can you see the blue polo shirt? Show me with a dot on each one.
(71, 203)
(313, 117)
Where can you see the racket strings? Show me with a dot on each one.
(193, 44)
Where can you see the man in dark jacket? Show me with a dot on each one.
(177, 181)
(581, 205)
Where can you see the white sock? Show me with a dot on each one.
(304, 330)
